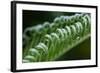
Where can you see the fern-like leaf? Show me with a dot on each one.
(49, 41)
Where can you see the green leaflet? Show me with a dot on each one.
(35, 53)
(51, 40)
(30, 58)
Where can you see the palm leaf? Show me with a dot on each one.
(49, 41)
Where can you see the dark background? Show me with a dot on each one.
(32, 18)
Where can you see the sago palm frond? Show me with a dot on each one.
(48, 41)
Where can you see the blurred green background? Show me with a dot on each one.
(32, 18)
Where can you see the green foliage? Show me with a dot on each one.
(48, 41)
